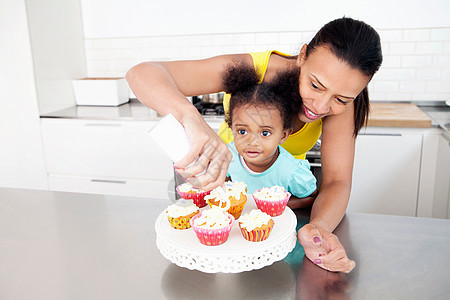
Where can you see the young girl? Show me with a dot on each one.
(261, 118)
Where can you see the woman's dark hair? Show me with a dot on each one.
(358, 44)
(242, 82)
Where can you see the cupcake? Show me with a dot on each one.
(272, 200)
(187, 191)
(256, 226)
(212, 226)
(236, 193)
(180, 213)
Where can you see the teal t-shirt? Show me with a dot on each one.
(287, 171)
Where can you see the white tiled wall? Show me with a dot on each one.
(416, 63)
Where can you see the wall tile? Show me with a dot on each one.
(385, 86)
(416, 60)
(395, 74)
(440, 34)
(290, 38)
(441, 61)
(398, 96)
(390, 35)
(391, 61)
(244, 39)
(424, 96)
(416, 35)
(412, 86)
(429, 73)
(266, 38)
(402, 48)
(429, 47)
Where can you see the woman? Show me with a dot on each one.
(335, 69)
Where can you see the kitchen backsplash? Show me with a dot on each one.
(416, 63)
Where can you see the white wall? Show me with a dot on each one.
(21, 153)
(129, 18)
(415, 36)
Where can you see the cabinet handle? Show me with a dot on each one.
(381, 134)
(315, 165)
(103, 124)
(109, 181)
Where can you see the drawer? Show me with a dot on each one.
(109, 149)
(161, 189)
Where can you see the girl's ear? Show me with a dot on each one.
(302, 55)
(285, 135)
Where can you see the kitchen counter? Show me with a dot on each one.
(56, 245)
(382, 114)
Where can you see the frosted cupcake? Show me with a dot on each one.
(272, 200)
(212, 226)
(256, 226)
(180, 213)
(187, 191)
(236, 193)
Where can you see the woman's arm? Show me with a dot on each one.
(337, 154)
(163, 86)
(321, 246)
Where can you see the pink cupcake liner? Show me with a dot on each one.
(198, 198)
(212, 237)
(270, 207)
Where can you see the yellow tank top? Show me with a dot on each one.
(298, 143)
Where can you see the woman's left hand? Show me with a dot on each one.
(324, 249)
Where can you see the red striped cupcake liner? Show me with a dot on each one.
(198, 198)
(212, 237)
(270, 207)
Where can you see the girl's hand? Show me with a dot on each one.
(208, 152)
(324, 249)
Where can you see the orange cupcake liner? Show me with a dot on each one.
(234, 210)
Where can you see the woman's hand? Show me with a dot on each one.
(207, 151)
(324, 249)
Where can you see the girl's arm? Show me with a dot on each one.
(163, 86)
(338, 147)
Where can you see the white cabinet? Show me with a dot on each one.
(435, 176)
(106, 157)
(386, 171)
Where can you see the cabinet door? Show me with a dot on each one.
(386, 174)
(110, 149)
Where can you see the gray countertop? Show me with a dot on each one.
(437, 111)
(132, 110)
(56, 245)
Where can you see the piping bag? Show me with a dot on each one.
(170, 136)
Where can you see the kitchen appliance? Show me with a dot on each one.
(313, 156)
(209, 104)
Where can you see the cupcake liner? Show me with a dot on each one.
(212, 237)
(256, 235)
(180, 222)
(198, 198)
(234, 210)
(270, 207)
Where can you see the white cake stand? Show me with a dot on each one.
(183, 248)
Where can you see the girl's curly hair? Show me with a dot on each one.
(282, 92)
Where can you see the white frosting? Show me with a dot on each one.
(232, 189)
(213, 218)
(274, 193)
(256, 218)
(187, 187)
(182, 208)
